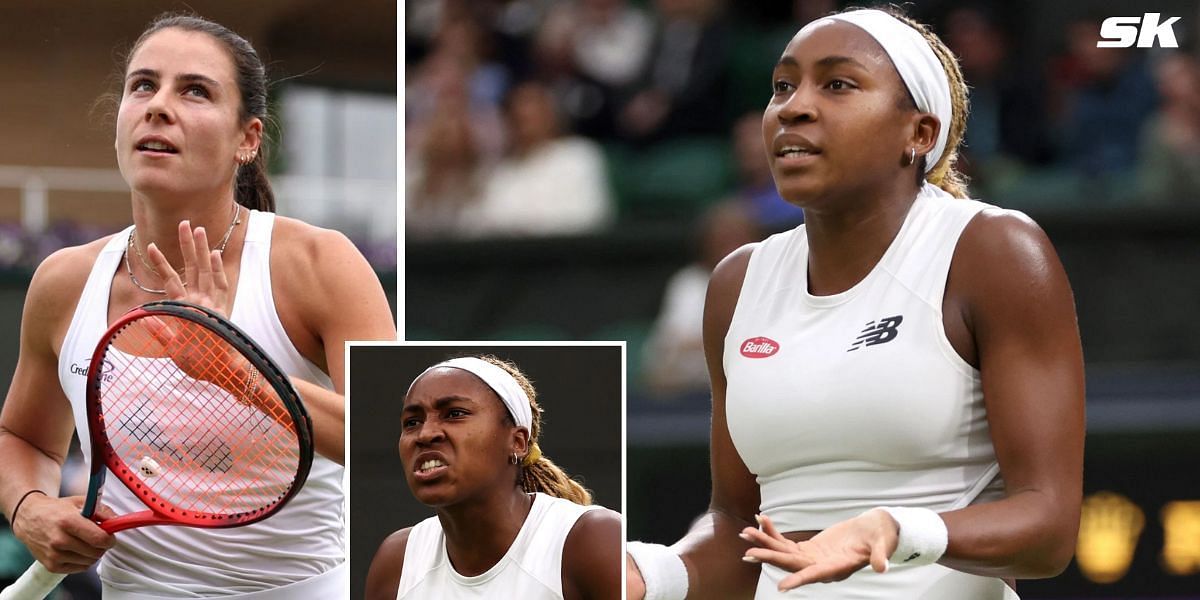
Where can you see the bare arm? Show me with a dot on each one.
(340, 299)
(383, 578)
(591, 560)
(711, 549)
(35, 432)
(1022, 315)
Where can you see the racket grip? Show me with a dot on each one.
(34, 584)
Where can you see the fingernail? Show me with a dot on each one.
(751, 559)
(758, 519)
(744, 536)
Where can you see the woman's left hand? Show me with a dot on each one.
(832, 555)
(203, 271)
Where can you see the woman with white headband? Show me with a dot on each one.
(510, 523)
(897, 384)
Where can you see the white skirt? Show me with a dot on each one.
(930, 582)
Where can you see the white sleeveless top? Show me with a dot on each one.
(530, 570)
(842, 403)
(300, 547)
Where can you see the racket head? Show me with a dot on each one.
(194, 419)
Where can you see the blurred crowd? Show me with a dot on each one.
(541, 117)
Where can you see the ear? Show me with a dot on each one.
(520, 441)
(252, 133)
(925, 128)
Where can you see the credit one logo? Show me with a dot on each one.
(1120, 32)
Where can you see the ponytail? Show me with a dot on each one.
(537, 473)
(542, 475)
(252, 188)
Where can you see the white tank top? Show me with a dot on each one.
(842, 403)
(291, 548)
(530, 570)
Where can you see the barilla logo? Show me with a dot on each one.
(759, 347)
(1120, 32)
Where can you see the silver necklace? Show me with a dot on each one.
(237, 219)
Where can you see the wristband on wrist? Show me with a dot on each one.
(13, 520)
(663, 571)
(923, 536)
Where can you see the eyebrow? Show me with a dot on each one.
(440, 403)
(827, 62)
(183, 77)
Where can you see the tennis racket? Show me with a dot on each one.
(195, 419)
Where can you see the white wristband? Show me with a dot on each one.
(923, 536)
(663, 571)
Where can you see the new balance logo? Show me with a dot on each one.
(759, 347)
(882, 332)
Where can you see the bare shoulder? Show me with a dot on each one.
(305, 241)
(592, 556)
(1009, 236)
(595, 526)
(57, 284)
(383, 578)
(731, 271)
(1007, 272)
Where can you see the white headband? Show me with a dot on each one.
(914, 59)
(499, 380)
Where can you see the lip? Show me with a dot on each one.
(786, 139)
(432, 474)
(156, 138)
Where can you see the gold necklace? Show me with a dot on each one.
(237, 219)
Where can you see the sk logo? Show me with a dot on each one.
(882, 332)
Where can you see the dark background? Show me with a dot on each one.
(578, 387)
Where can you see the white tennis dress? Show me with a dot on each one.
(842, 403)
(296, 553)
(530, 570)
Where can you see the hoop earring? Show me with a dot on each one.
(513, 459)
(912, 156)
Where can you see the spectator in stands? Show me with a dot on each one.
(549, 183)
(594, 50)
(1170, 153)
(445, 175)
(457, 64)
(1104, 112)
(674, 354)
(1007, 121)
(683, 82)
(756, 188)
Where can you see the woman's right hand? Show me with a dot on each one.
(58, 536)
(635, 588)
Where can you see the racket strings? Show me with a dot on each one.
(193, 422)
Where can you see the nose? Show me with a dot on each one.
(159, 107)
(431, 431)
(798, 107)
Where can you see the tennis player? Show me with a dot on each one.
(510, 523)
(898, 384)
(189, 142)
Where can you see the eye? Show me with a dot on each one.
(781, 86)
(838, 85)
(455, 413)
(196, 90)
(410, 423)
(142, 85)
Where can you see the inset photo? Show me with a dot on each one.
(486, 470)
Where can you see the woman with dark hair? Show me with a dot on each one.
(898, 383)
(510, 523)
(189, 142)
